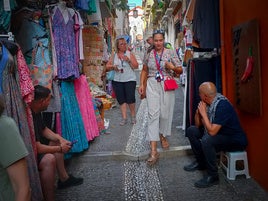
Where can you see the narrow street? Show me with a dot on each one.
(111, 173)
(52, 74)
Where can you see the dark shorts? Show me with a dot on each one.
(39, 158)
(125, 92)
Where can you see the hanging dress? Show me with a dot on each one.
(64, 40)
(3, 62)
(86, 107)
(138, 143)
(27, 92)
(15, 108)
(71, 120)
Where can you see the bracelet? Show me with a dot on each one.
(60, 149)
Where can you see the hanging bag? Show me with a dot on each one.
(170, 83)
(41, 73)
(111, 73)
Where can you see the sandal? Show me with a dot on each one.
(123, 122)
(154, 156)
(133, 119)
(164, 142)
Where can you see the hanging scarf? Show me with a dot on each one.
(211, 110)
(3, 62)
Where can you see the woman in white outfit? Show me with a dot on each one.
(160, 102)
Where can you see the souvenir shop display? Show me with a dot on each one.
(93, 50)
(50, 41)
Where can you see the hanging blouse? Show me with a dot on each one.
(53, 50)
(82, 4)
(81, 26)
(27, 34)
(26, 85)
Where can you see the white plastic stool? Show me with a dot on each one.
(230, 167)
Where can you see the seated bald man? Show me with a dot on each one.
(217, 128)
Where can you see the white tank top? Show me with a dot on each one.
(128, 73)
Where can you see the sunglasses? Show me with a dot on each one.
(159, 31)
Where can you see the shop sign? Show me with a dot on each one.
(247, 67)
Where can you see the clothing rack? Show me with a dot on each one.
(9, 36)
(206, 54)
(51, 5)
(25, 9)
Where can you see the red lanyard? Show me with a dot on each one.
(157, 62)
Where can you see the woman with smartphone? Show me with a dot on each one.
(123, 62)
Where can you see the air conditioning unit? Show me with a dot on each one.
(173, 3)
(169, 11)
(159, 11)
(164, 18)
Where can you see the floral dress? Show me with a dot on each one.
(64, 39)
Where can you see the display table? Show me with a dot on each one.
(106, 105)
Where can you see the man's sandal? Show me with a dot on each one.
(154, 156)
(164, 142)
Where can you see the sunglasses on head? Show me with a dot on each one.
(159, 31)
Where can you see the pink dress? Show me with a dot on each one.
(85, 103)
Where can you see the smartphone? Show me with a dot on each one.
(73, 142)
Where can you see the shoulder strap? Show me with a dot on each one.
(113, 58)
(157, 62)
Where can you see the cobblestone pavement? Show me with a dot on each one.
(111, 173)
(119, 178)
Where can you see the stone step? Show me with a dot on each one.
(123, 155)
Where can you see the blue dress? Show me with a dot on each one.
(71, 120)
(3, 62)
(64, 39)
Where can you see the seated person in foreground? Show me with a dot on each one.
(217, 128)
(50, 148)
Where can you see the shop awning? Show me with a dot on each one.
(106, 7)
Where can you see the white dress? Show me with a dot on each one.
(138, 144)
